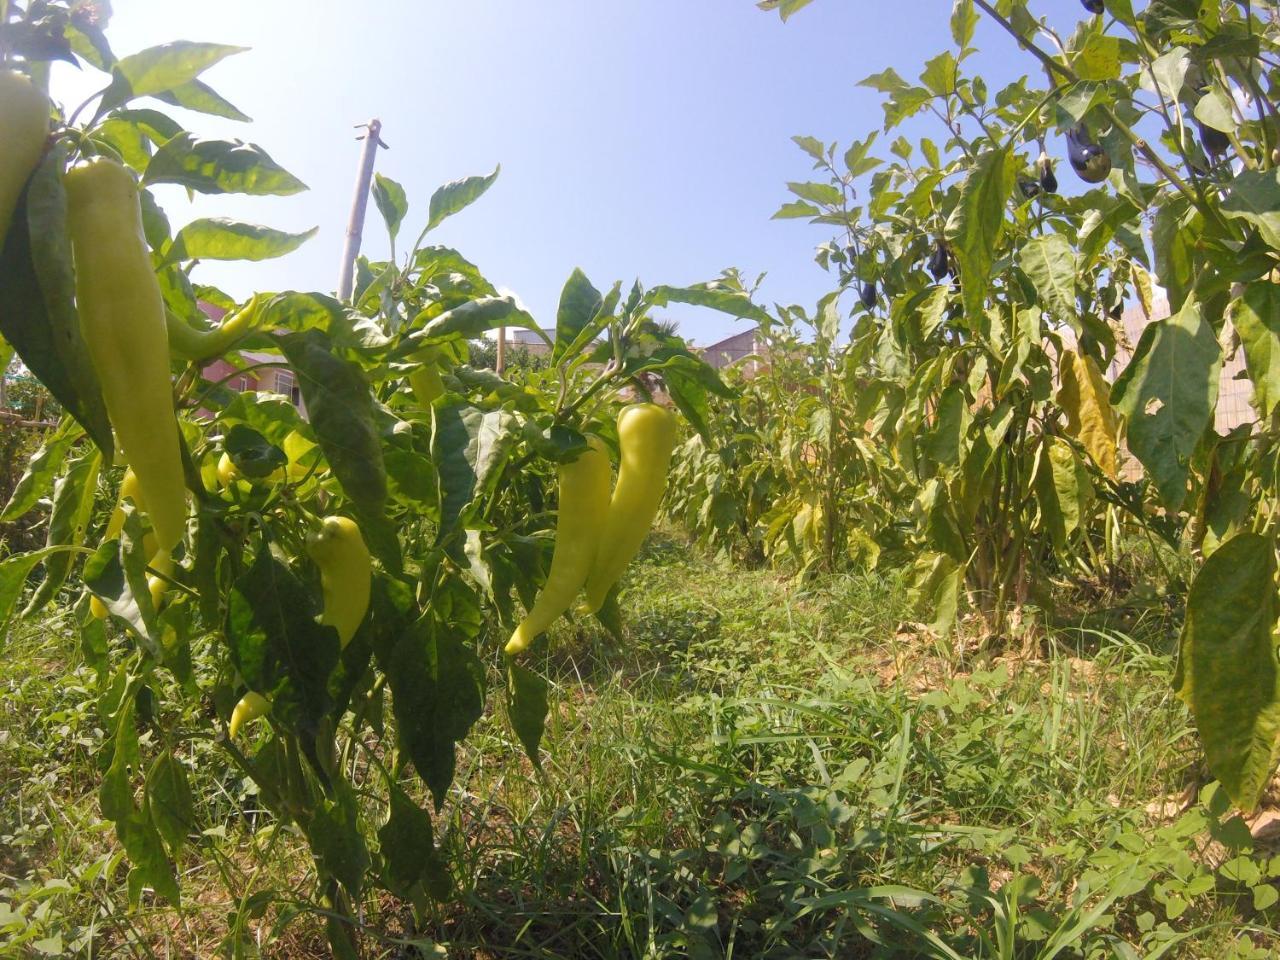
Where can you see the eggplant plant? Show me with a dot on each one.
(1031, 432)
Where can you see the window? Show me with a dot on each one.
(288, 386)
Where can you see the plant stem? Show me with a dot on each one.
(1139, 144)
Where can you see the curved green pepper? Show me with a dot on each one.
(584, 506)
(647, 437)
(24, 128)
(123, 318)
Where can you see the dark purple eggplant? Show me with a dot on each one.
(1090, 162)
(1030, 189)
(1048, 180)
(939, 261)
(868, 294)
(1216, 143)
(1093, 6)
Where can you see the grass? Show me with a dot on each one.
(759, 770)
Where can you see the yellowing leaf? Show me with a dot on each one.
(1084, 395)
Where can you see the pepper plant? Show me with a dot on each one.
(409, 467)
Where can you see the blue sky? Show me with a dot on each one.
(638, 138)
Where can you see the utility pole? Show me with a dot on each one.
(359, 204)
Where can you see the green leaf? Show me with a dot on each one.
(1227, 664)
(41, 469)
(280, 649)
(469, 447)
(340, 407)
(935, 585)
(69, 517)
(159, 69)
(251, 452)
(1256, 317)
(134, 827)
(37, 312)
(457, 196)
(117, 575)
(90, 44)
(1098, 59)
(1167, 394)
(1173, 240)
(940, 74)
(715, 295)
(944, 443)
(1214, 110)
(1063, 489)
(812, 146)
(199, 96)
(527, 707)
(392, 203)
(1255, 198)
(977, 223)
(437, 693)
(218, 238)
(170, 802)
(1051, 264)
(471, 319)
(220, 166)
(786, 8)
(14, 572)
(333, 830)
(580, 302)
(823, 194)
(795, 210)
(1167, 74)
(964, 22)
(410, 859)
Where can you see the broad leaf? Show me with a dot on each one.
(41, 469)
(410, 859)
(69, 517)
(1167, 394)
(14, 572)
(1085, 398)
(579, 304)
(715, 295)
(280, 649)
(527, 707)
(218, 238)
(1255, 198)
(471, 319)
(37, 313)
(159, 69)
(1051, 264)
(469, 447)
(340, 407)
(170, 802)
(199, 96)
(977, 223)
(457, 196)
(134, 826)
(392, 203)
(220, 166)
(1227, 664)
(1256, 318)
(437, 693)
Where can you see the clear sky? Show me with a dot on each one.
(638, 138)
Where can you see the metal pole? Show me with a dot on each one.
(502, 350)
(359, 203)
